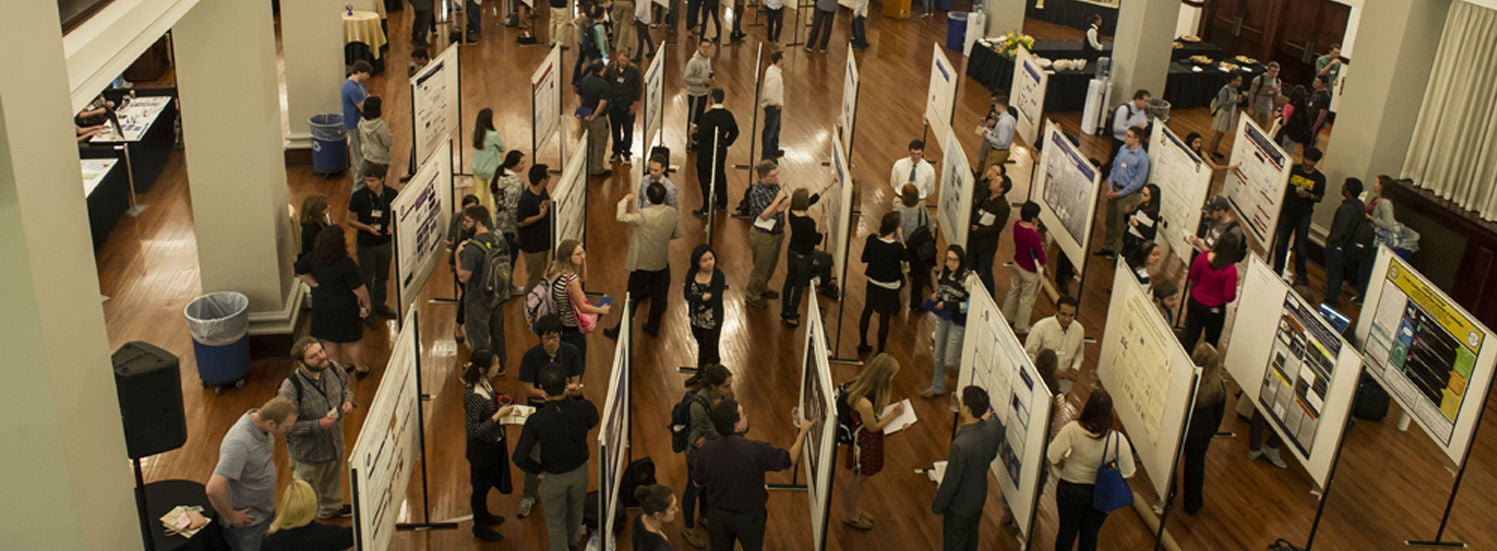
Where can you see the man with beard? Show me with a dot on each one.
(322, 396)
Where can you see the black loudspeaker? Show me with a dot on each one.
(149, 382)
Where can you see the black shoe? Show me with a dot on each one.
(487, 534)
(1105, 253)
(385, 311)
(653, 332)
(611, 332)
(404, 179)
(770, 295)
(359, 375)
(488, 520)
(864, 349)
(371, 323)
(602, 173)
(346, 511)
(700, 213)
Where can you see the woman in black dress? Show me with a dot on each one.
(1210, 408)
(657, 507)
(704, 304)
(488, 458)
(885, 255)
(339, 299)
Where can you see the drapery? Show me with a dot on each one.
(1453, 152)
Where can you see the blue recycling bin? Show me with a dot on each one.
(219, 323)
(956, 30)
(329, 143)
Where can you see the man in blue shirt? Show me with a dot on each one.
(1130, 170)
(998, 135)
(1128, 115)
(353, 95)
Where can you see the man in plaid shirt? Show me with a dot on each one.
(767, 203)
(322, 395)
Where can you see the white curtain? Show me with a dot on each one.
(1453, 152)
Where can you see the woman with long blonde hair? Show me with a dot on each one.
(567, 295)
(294, 529)
(1210, 408)
(867, 395)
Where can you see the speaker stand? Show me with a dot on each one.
(140, 507)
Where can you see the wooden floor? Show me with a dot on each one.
(1391, 485)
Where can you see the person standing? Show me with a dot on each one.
(712, 9)
(912, 216)
(867, 395)
(533, 225)
(1063, 336)
(322, 396)
(990, 211)
(950, 299)
(623, 28)
(1213, 284)
(738, 14)
(656, 175)
(550, 351)
(488, 458)
(716, 386)
(1127, 116)
(374, 134)
(964, 490)
(998, 134)
(1320, 107)
(698, 78)
(422, 22)
(566, 293)
(560, 429)
(704, 304)
(772, 99)
(803, 241)
(487, 147)
(339, 298)
(767, 205)
(884, 254)
(914, 169)
(644, 45)
(821, 24)
(560, 17)
(732, 468)
(507, 188)
(314, 217)
(1341, 247)
(1329, 66)
(1142, 220)
(1082, 447)
(1263, 94)
(623, 76)
(1218, 221)
(1130, 171)
(657, 506)
(1296, 117)
(594, 94)
(1380, 215)
(1091, 46)
(716, 126)
(1224, 112)
(294, 530)
(352, 96)
(859, 24)
(242, 487)
(774, 20)
(1205, 419)
(592, 40)
(649, 255)
(475, 21)
(1306, 188)
(369, 212)
(483, 307)
(1029, 269)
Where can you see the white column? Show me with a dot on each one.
(1003, 16)
(312, 51)
(67, 481)
(1142, 46)
(231, 129)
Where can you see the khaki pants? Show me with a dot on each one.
(558, 27)
(1115, 220)
(597, 143)
(766, 248)
(535, 267)
(562, 495)
(1023, 286)
(623, 27)
(326, 479)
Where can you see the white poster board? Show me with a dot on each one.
(569, 201)
(956, 192)
(1428, 351)
(388, 446)
(1027, 100)
(818, 402)
(940, 97)
(545, 101)
(994, 359)
(613, 434)
(1256, 187)
(435, 103)
(1295, 366)
(977, 25)
(837, 203)
(1149, 375)
(423, 212)
(1184, 181)
(654, 105)
(850, 83)
(1066, 187)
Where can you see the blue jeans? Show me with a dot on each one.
(982, 263)
(771, 134)
(475, 17)
(859, 31)
(948, 343)
(1300, 226)
(797, 275)
(245, 538)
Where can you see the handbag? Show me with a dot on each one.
(1111, 491)
(586, 323)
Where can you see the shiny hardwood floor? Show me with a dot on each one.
(1391, 485)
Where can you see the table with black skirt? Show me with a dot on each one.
(1187, 88)
(149, 127)
(106, 188)
(1184, 88)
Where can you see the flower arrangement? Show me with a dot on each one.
(1008, 44)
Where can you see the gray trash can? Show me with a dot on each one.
(219, 323)
(1159, 108)
(329, 144)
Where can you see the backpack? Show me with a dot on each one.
(1364, 237)
(539, 303)
(640, 472)
(922, 245)
(681, 421)
(497, 271)
(844, 415)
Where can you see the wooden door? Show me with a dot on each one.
(1240, 26)
(1305, 31)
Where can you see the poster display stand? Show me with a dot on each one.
(1066, 189)
(956, 192)
(1256, 187)
(754, 123)
(818, 403)
(848, 119)
(940, 97)
(546, 106)
(654, 105)
(614, 431)
(837, 219)
(1027, 99)
(422, 213)
(436, 106)
(569, 202)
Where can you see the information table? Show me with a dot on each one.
(108, 194)
(149, 134)
(1184, 87)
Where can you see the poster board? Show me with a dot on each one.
(994, 359)
(956, 192)
(1295, 366)
(940, 97)
(435, 104)
(423, 213)
(818, 402)
(1184, 181)
(1256, 187)
(1028, 97)
(569, 201)
(614, 430)
(1149, 374)
(654, 105)
(850, 82)
(837, 203)
(388, 445)
(1431, 355)
(545, 101)
(1067, 187)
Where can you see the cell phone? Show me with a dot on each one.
(605, 301)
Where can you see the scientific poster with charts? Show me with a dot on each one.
(1184, 181)
(955, 191)
(613, 435)
(1256, 186)
(423, 212)
(850, 83)
(1027, 102)
(569, 201)
(940, 96)
(1067, 191)
(545, 101)
(654, 101)
(837, 205)
(818, 402)
(1295, 367)
(993, 359)
(389, 443)
(1429, 352)
(1149, 375)
(435, 104)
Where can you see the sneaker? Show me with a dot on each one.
(1273, 457)
(808, 47)
(823, 50)
(931, 393)
(760, 304)
(1253, 455)
(771, 295)
(346, 511)
(695, 537)
(626, 160)
(525, 505)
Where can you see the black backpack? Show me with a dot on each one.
(681, 421)
(640, 472)
(844, 416)
(922, 246)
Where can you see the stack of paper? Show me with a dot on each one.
(518, 416)
(905, 419)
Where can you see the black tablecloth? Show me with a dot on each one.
(1188, 49)
(1073, 13)
(165, 495)
(1071, 49)
(111, 198)
(149, 154)
(1187, 89)
(1184, 88)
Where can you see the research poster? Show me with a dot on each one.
(1028, 98)
(837, 203)
(955, 192)
(994, 359)
(850, 83)
(1148, 373)
(423, 212)
(1256, 187)
(388, 446)
(545, 101)
(434, 103)
(654, 100)
(1184, 180)
(940, 96)
(569, 201)
(818, 403)
(1295, 367)
(1428, 352)
(613, 436)
(1067, 190)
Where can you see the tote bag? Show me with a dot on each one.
(1111, 491)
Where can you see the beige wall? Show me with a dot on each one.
(312, 44)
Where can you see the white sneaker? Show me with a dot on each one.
(525, 505)
(1254, 454)
(1273, 457)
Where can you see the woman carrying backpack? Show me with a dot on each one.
(704, 304)
(951, 318)
(567, 295)
(866, 398)
(717, 385)
(1081, 448)
(913, 216)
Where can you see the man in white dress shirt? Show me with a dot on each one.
(772, 99)
(914, 168)
(1061, 334)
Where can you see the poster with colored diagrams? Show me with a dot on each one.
(1428, 352)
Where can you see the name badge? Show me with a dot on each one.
(377, 213)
